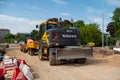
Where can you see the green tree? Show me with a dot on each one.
(90, 33)
(66, 23)
(116, 19)
(116, 16)
(114, 27)
(34, 34)
(111, 29)
(117, 34)
(79, 23)
(9, 38)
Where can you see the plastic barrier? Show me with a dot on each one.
(1, 74)
(26, 71)
(13, 69)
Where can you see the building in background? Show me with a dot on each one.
(3, 32)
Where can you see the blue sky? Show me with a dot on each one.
(23, 15)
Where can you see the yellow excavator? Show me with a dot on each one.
(58, 43)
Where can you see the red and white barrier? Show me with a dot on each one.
(13, 69)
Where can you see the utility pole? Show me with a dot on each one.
(102, 23)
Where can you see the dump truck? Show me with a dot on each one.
(58, 43)
(29, 46)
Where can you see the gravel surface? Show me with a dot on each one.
(100, 67)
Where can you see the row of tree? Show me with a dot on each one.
(88, 33)
(10, 38)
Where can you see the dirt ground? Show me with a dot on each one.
(103, 66)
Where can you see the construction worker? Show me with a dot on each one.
(20, 47)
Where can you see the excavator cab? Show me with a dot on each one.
(50, 26)
(46, 26)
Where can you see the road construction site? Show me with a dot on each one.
(105, 65)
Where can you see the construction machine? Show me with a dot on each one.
(32, 46)
(29, 46)
(91, 44)
(58, 43)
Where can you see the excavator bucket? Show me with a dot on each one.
(74, 52)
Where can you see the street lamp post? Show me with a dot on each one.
(102, 23)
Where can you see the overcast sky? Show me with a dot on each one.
(23, 15)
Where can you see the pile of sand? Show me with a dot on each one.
(100, 52)
(114, 59)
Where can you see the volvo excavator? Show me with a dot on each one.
(58, 43)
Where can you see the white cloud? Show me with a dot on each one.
(17, 24)
(60, 2)
(7, 3)
(12, 4)
(32, 7)
(114, 2)
(65, 14)
(98, 20)
(2, 2)
(95, 19)
(99, 12)
(92, 10)
(109, 14)
(35, 8)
